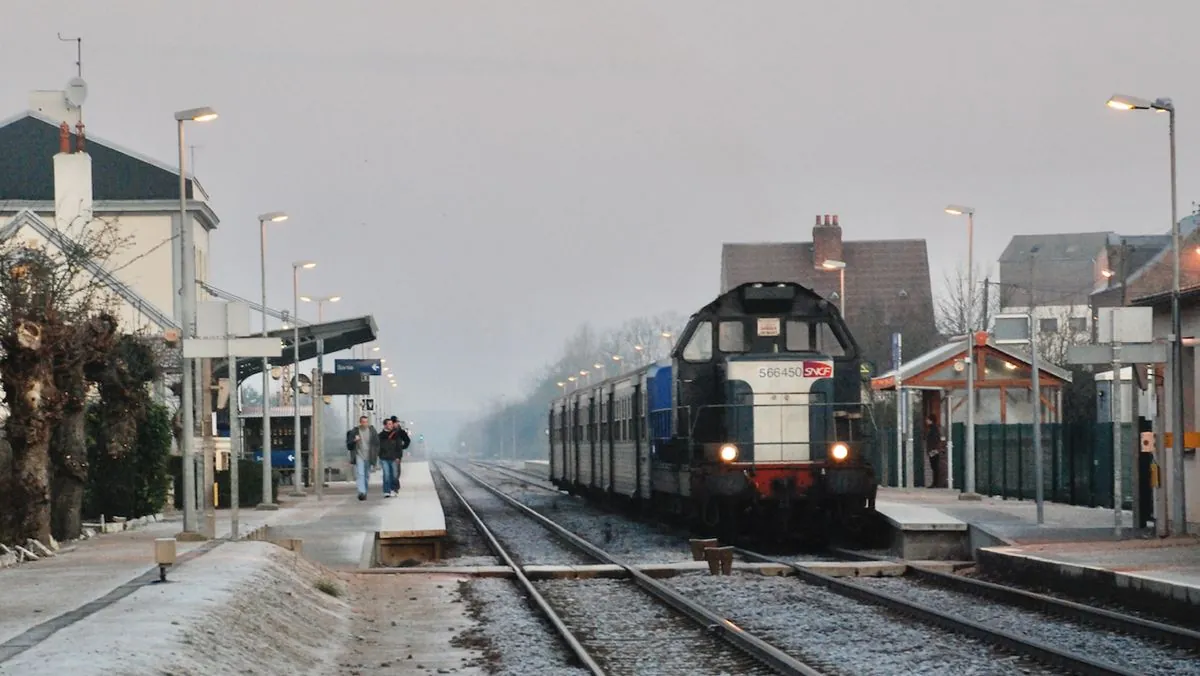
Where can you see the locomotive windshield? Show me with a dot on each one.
(759, 335)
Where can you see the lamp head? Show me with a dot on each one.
(834, 265)
(203, 114)
(959, 210)
(307, 265)
(273, 216)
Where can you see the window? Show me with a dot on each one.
(798, 336)
(1049, 325)
(732, 337)
(700, 347)
(1078, 324)
(828, 343)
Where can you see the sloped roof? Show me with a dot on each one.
(952, 350)
(29, 141)
(26, 218)
(1071, 246)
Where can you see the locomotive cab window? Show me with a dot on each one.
(731, 337)
(700, 346)
(828, 341)
(798, 336)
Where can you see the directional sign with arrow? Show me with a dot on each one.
(371, 367)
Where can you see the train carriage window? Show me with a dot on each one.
(798, 336)
(732, 337)
(700, 347)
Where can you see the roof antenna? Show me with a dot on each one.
(78, 53)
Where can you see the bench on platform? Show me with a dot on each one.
(412, 524)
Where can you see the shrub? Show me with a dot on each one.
(133, 484)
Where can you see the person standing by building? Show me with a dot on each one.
(392, 442)
(933, 448)
(363, 444)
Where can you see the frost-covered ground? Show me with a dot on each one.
(825, 629)
(1134, 654)
(245, 607)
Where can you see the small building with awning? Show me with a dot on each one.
(1003, 383)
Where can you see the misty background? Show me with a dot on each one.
(485, 177)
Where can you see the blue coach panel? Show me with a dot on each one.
(658, 391)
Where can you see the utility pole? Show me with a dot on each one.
(1036, 374)
(1115, 408)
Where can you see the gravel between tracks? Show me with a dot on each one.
(828, 630)
(635, 542)
(1132, 653)
(464, 545)
(526, 541)
(515, 640)
(628, 632)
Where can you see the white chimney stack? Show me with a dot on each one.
(72, 182)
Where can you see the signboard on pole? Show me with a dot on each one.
(370, 367)
(368, 404)
(345, 383)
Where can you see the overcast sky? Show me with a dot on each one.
(482, 177)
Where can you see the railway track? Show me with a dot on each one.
(1180, 648)
(671, 634)
(518, 475)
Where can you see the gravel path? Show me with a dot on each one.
(1132, 653)
(831, 631)
(526, 541)
(635, 542)
(628, 632)
(514, 638)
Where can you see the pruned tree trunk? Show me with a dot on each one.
(70, 475)
(31, 448)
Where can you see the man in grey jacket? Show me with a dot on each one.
(363, 444)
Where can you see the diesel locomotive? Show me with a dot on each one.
(752, 429)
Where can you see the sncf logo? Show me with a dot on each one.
(818, 369)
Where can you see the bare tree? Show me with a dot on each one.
(955, 308)
(1065, 326)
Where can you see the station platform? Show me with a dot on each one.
(411, 525)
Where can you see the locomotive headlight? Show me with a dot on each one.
(728, 453)
(840, 451)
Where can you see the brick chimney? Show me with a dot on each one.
(827, 240)
(72, 182)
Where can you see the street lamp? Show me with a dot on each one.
(1179, 513)
(969, 454)
(298, 473)
(840, 266)
(318, 406)
(267, 499)
(187, 312)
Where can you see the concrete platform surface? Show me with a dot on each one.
(416, 511)
(1170, 565)
(910, 516)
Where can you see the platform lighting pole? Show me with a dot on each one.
(319, 406)
(187, 313)
(969, 452)
(268, 501)
(840, 266)
(1179, 511)
(1038, 462)
(298, 473)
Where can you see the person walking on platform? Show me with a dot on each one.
(363, 444)
(392, 442)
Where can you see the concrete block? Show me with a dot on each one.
(290, 544)
(855, 568)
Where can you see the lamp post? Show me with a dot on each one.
(319, 403)
(298, 474)
(1179, 512)
(187, 312)
(268, 501)
(840, 266)
(969, 453)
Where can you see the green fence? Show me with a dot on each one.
(1077, 469)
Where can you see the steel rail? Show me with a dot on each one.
(516, 475)
(1047, 654)
(1128, 624)
(559, 626)
(725, 629)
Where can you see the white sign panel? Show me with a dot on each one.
(768, 326)
(211, 318)
(219, 348)
(1125, 325)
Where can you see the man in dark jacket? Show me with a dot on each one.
(392, 442)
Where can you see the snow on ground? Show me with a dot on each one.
(245, 607)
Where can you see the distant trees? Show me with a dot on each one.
(637, 342)
(956, 306)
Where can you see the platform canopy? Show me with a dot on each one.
(338, 335)
(944, 368)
